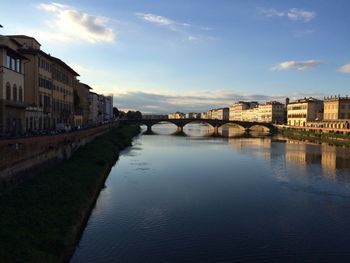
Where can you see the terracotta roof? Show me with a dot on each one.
(64, 65)
(48, 56)
(23, 36)
(86, 86)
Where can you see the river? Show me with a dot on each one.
(197, 198)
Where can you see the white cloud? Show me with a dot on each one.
(270, 12)
(71, 24)
(185, 29)
(296, 65)
(345, 69)
(162, 102)
(156, 19)
(293, 14)
(300, 14)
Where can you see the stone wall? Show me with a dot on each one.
(19, 156)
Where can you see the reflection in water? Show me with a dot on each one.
(299, 154)
(240, 198)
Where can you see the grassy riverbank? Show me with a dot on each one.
(318, 137)
(42, 218)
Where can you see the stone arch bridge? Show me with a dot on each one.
(216, 124)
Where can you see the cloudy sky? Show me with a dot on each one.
(191, 55)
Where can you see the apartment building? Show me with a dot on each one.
(38, 82)
(192, 115)
(236, 110)
(176, 115)
(81, 107)
(336, 108)
(272, 112)
(64, 82)
(204, 115)
(50, 83)
(251, 114)
(108, 111)
(12, 87)
(304, 110)
(221, 114)
(93, 109)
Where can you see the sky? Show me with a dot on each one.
(161, 56)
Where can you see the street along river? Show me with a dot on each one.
(198, 198)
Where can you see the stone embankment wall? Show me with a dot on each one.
(317, 129)
(20, 156)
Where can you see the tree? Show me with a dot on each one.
(131, 115)
(115, 112)
(138, 115)
(122, 114)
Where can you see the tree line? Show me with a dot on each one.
(130, 115)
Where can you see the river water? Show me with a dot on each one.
(197, 198)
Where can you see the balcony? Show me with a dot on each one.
(14, 104)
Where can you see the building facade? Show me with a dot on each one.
(236, 110)
(64, 82)
(93, 109)
(81, 107)
(223, 114)
(176, 115)
(38, 80)
(304, 110)
(272, 112)
(108, 112)
(336, 108)
(12, 87)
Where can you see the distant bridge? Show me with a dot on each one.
(216, 124)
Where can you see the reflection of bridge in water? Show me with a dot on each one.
(216, 124)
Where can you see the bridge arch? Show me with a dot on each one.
(265, 127)
(198, 121)
(216, 124)
(232, 123)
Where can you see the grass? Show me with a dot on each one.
(336, 139)
(41, 219)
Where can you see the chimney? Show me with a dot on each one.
(287, 101)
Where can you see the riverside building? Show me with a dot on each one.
(336, 108)
(50, 83)
(304, 110)
(82, 106)
(236, 110)
(64, 81)
(272, 112)
(12, 87)
(336, 113)
(38, 82)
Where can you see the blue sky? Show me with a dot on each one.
(192, 55)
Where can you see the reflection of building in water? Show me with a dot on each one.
(334, 158)
(231, 131)
(310, 159)
(302, 155)
(330, 158)
(295, 154)
(260, 147)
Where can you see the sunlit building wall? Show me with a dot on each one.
(304, 110)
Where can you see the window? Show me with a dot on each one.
(8, 91)
(8, 61)
(14, 92)
(18, 65)
(20, 94)
(13, 64)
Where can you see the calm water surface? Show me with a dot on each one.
(173, 198)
